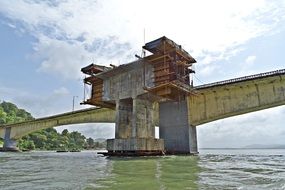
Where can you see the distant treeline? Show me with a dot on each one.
(46, 139)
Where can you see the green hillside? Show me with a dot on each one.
(10, 113)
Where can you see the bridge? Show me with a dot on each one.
(11, 132)
(155, 91)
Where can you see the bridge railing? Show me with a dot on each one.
(240, 79)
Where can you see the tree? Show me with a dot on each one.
(3, 116)
(65, 132)
(39, 139)
(76, 140)
(90, 143)
(26, 144)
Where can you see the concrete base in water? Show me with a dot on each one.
(9, 149)
(9, 146)
(135, 147)
(133, 153)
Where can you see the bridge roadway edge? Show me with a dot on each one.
(90, 115)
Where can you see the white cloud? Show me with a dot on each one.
(65, 58)
(250, 59)
(206, 28)
(61, 91)
(207, 70)
(60, 57)
(36, 104)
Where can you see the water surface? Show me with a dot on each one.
(212, 169)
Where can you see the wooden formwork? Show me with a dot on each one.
(97, 90)
(171, 68)
(96, 85)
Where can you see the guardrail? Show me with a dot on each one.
(241, 79)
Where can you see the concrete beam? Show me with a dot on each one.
(94, 115)
(222, 101)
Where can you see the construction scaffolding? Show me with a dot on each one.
(171, 67)
(96, 85)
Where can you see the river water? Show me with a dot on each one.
(211, 169)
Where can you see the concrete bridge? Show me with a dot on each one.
(156, 90)
(209, 103)
(11, 132)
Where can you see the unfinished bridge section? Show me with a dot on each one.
(236, 96)
(133, 90)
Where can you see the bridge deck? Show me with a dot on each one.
(237, 96)
(241, 79)
(55, 116)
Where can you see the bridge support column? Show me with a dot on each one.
(9, 144)
(179, 135)
(135, 131)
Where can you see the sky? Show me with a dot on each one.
(44, 44)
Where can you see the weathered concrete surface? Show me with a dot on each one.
(144, 118)
(94, 115)
(135, 144)
(175, 128)
(127, 81)
(135, 127)
(124, 111)
(222, 101)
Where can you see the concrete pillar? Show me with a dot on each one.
(9, 144)
(124, 111)
(135, 130)
(134, 119)
(193, 139)
(144, 115)
(178, 134)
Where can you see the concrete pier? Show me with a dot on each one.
(178, 134)
(133, 89)
(135, 130)
(9, 144)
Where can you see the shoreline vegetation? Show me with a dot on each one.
(46, 139)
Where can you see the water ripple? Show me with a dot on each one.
(219, 169)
